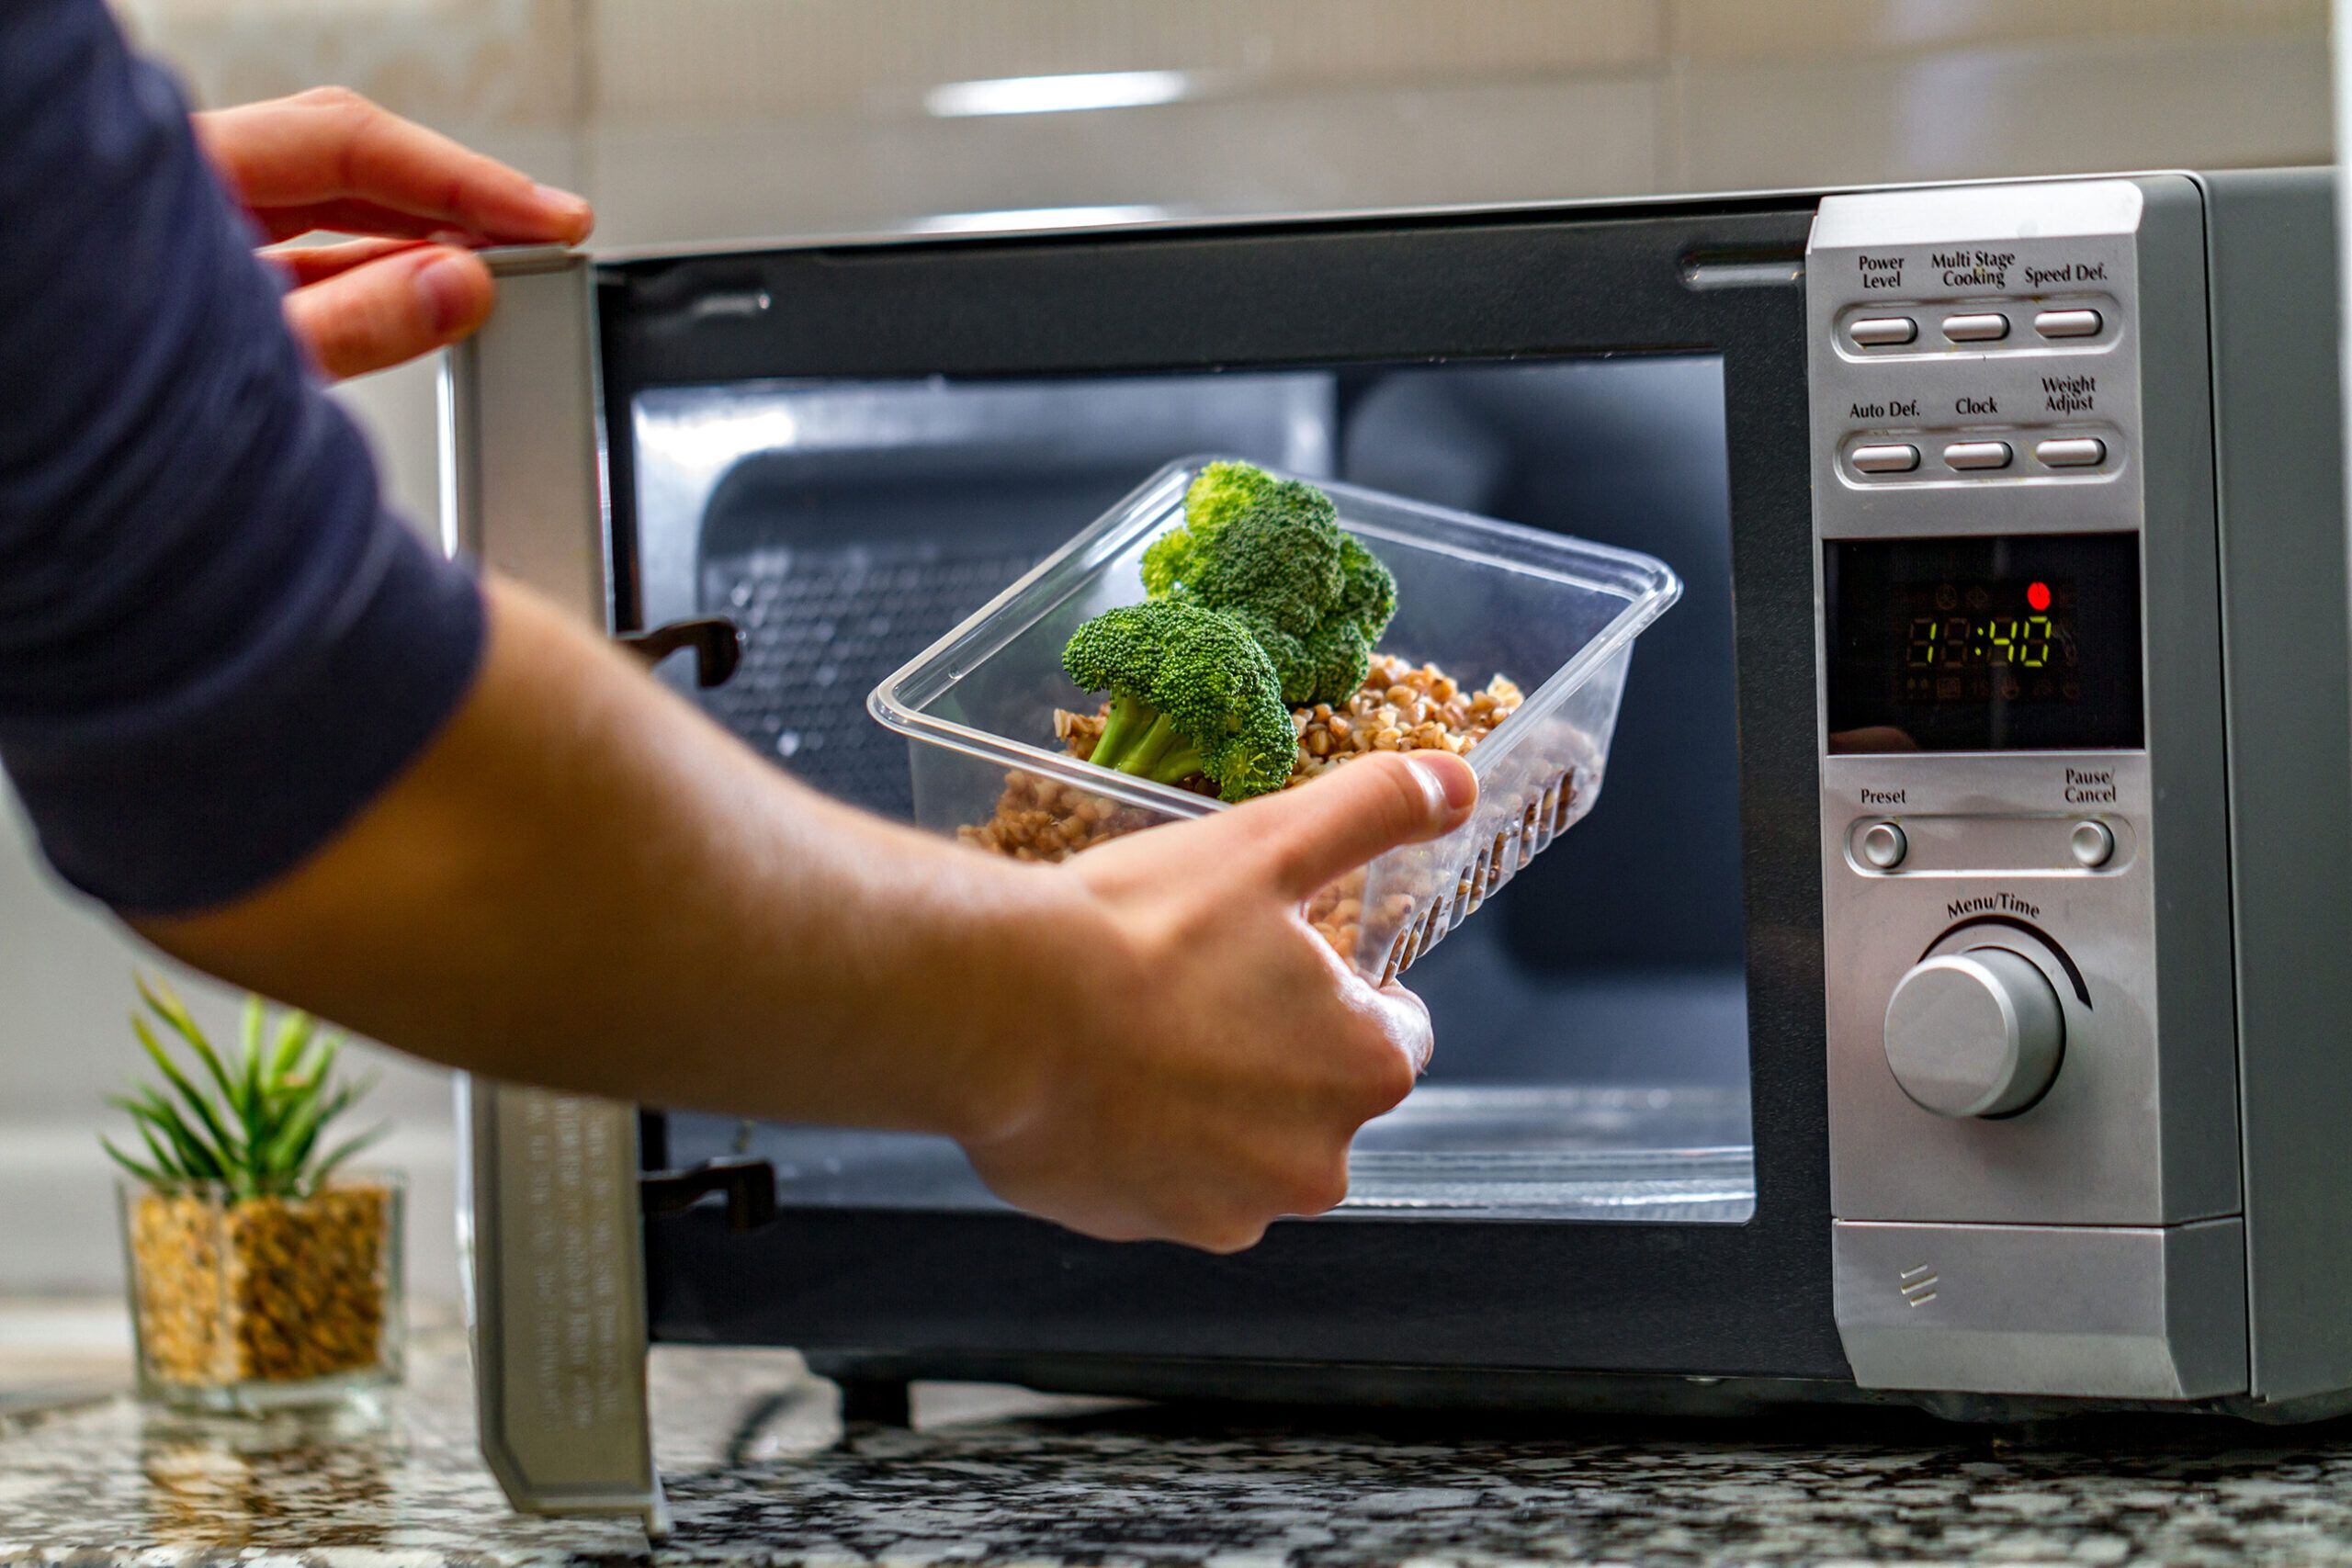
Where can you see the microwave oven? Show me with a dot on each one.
(1947, 1003)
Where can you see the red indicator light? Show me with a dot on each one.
(2036, 595)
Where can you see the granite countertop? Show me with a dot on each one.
(760, 1471)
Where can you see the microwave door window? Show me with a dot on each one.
(846, 528)
(1591, 1022)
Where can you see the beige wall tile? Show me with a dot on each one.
(64, 989)
(1990, 112)
(705, 58)
(1365, 148)
(505, 63)
(1753, 29)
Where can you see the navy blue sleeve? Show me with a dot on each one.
(216, 644)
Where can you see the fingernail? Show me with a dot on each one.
(573, 208)
(1449, 779)
(447, 285)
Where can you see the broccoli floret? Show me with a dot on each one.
(1367, 592)
(1224, 490)
(1330, 659)
(1294, 666)
(1190, 692)
(1280, 562)
(1271, 552)
(1339, 655)
(1218, 494)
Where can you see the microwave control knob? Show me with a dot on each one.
(1974, 1034)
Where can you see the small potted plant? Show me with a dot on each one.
(261, 1275)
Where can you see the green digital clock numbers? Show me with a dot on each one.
(1978, 642)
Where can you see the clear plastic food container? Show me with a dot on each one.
(1476, 597)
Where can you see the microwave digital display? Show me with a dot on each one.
(1971, 641)
(2017, 643)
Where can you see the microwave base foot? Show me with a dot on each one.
(876, 1402)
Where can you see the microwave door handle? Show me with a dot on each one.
(717, 645)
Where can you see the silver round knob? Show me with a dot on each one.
(1974, 1034)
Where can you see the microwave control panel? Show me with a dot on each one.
(2015, 614)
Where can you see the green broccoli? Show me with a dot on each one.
(1367, 592)
(1331, 658)
(1271, 552)
(1190, 692)
(1219, 493)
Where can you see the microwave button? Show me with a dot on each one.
(1891, 457)
(1883, 331)
(2071, 452)
(1989, 326)
(1977, 454)
(1885, 846)
(2069, 324)
(2093, 843)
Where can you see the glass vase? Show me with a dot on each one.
(246, 1305)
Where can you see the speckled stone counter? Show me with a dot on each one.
(760, 1471)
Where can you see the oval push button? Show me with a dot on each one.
(2072, 451)
(1883, 331)
(1970, 454)
(1885, 846)
(1890, 458)
(2069, 324)
(1989, 326)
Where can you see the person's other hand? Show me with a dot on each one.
(1206, 1067)
(328, 159)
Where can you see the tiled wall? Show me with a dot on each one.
(708, 119)
(704, 118)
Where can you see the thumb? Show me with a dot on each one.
(390, 309)
(1302, 838)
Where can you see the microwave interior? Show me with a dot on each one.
(848, 450)
(1593, 1059)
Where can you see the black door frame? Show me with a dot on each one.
(995, 1292)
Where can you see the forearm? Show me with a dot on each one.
(582, 883)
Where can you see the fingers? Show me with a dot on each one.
(332, 145)
(390, 309)
(355, 217)
(1225, 1209)
(1304, 837)
(1406, 1019)
(312, 264)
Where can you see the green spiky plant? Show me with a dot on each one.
(252, 1121)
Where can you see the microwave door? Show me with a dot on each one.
(847, 452)
(549, 1209)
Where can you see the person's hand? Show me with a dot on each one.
(329, 159)
(1205, 1065)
